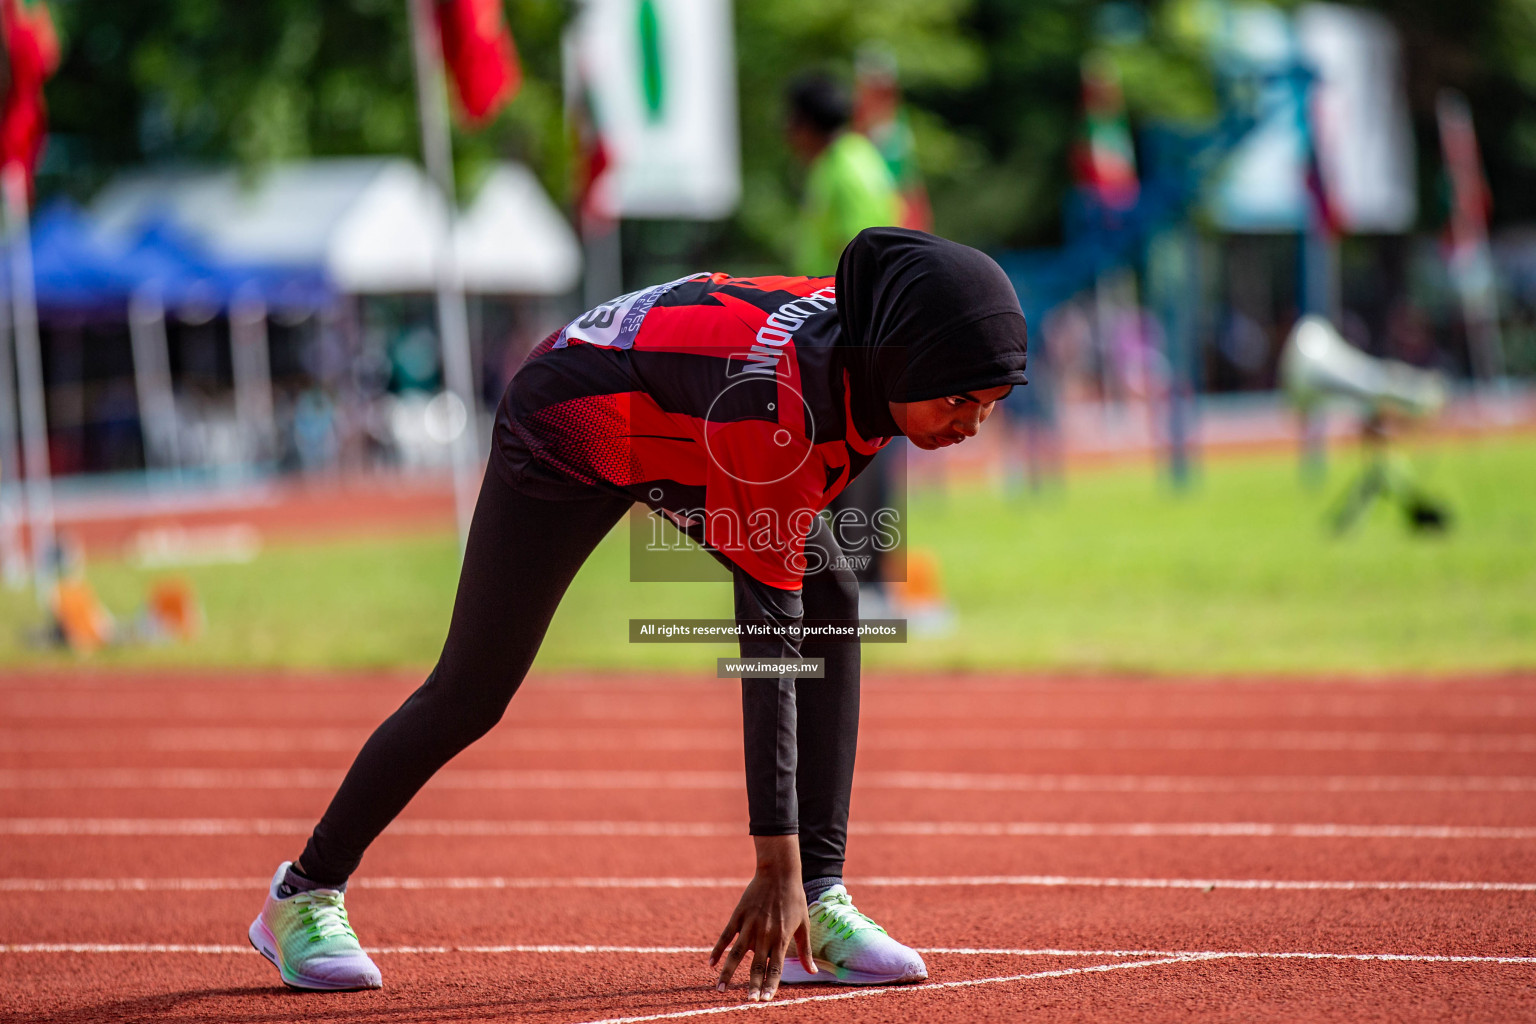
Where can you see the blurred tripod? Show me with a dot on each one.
(1386, 476)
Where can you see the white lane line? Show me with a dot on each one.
(125, 736)
(278, 778)
(494, 882)
(1008, 782)
(164, 947)
(1199, 739)
(588, 948)
(512, 779)
(1426, 958)
(867, 993)
(302, 826)
(135, 884)
(281, 739)
(1052, 881)
(970, 983)
(124, 947)
(1194, 829)
(707, 829)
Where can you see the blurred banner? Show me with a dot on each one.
(1470, 257)
(1360, 109)
(1261, 187)
(658, 79)
(1331, 84)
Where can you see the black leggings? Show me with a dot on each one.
(522, 554)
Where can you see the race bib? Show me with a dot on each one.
(615, 324)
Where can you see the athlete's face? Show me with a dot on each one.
(941, 422)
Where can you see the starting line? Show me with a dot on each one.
(1176, 958)
(1021, 881)
(1153, 958)
(215, 949)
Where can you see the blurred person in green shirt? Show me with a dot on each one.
(879, 115)
(848, 185)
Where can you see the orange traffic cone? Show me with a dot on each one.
(81, 618)
(173, 610)
(920, 597)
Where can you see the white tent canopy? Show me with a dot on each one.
(511, 239)
(370, 223)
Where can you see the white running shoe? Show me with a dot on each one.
(851, 949)
(307, 936)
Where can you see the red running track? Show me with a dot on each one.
(1060, 849)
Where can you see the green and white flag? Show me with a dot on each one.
(659, 77)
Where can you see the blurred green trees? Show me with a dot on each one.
(204, 80)
(993, 85)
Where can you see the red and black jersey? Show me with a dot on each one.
(721, 403)
(715, 400)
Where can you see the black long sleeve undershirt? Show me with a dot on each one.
(768, 707)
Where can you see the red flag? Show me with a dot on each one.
(479, 54)
(32, 47)
(1105, 158)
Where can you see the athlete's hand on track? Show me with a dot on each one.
(770, 914)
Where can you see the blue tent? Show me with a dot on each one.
(165, 257)
(70, 267)
(76, 268)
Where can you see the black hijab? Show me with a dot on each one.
(923, 317)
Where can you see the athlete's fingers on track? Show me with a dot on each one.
(743, 943)
(803, 944)
(731, 928)
(767, 962)
(758, 973)
(775, 967)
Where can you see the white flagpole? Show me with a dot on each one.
(13, 566)
(251, 360)
(152, 381)
(452, 317)
(29, 373)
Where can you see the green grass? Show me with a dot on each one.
(1114, 572)
(1240, 576)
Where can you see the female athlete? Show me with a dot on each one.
(738, 408)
